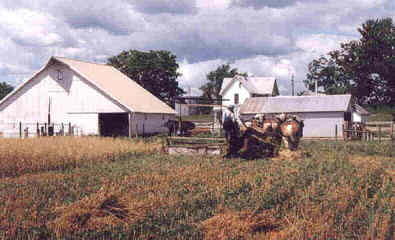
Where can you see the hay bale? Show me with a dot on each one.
(100, 211)
(235, 225)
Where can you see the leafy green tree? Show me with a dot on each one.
(215, 78)
(5, 89)
(328, 75)
(156, 71)
(364, 67)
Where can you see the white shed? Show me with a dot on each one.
(322, 115)
(95, 98)
(360, 114)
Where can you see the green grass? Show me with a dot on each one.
(334, 190)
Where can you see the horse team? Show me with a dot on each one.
(256, 138)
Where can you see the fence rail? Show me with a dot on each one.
(37, 129)
(372, 131)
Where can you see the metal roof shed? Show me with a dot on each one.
(321, 114)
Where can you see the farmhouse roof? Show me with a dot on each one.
(254, 85)
(296, 104)
(115, 84)
(359, 109)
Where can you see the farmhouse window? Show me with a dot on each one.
(59, 76)
(236, 98)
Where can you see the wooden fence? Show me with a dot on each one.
(372, 131)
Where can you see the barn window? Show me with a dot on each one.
(59, 76)
(163, 116)
(145, 116)
(236, 98)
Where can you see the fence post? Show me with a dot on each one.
(336, 132)
(70, 130)
(20, 129)
(62, 129)
(26, 132)
(38, 130)
(143, 130)
(379, 133)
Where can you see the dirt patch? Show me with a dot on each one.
(290, 155)
(236, 225)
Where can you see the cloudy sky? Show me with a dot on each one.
(262, 37)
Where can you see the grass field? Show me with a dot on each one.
(102, 188)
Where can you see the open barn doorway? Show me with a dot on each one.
(114, 124)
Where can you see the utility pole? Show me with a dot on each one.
(293, 85)
(316, 87)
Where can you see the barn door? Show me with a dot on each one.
(57, 106)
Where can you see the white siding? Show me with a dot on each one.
(322, 124)
(319, 124)
(149, 123)
(85, 123)
(356, 117)
(72, 100)
(236, 87)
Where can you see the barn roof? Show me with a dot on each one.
(254, 85)
(115, 84)
(296, 104)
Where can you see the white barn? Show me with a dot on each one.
(95, 98)
(322, 115)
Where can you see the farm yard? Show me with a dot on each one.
(105, 188)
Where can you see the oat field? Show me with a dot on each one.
(104, 188)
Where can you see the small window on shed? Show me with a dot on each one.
(236, 98)
(59, 76)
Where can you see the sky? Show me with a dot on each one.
(265, 38)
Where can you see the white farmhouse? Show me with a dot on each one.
(323, 116)
(97, 99)
(240, 88)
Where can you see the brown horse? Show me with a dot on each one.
(292, 130)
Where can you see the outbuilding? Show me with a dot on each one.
(360, 114)
(96, 99)
(323, 116)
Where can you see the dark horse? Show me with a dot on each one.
(173, 127)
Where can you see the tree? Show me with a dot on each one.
(215, 78)
(156, 71)
(5, 89)
(328, 75)
(361, 67)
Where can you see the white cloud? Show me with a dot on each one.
(264, 38)
(210, 4)
(29, 27)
